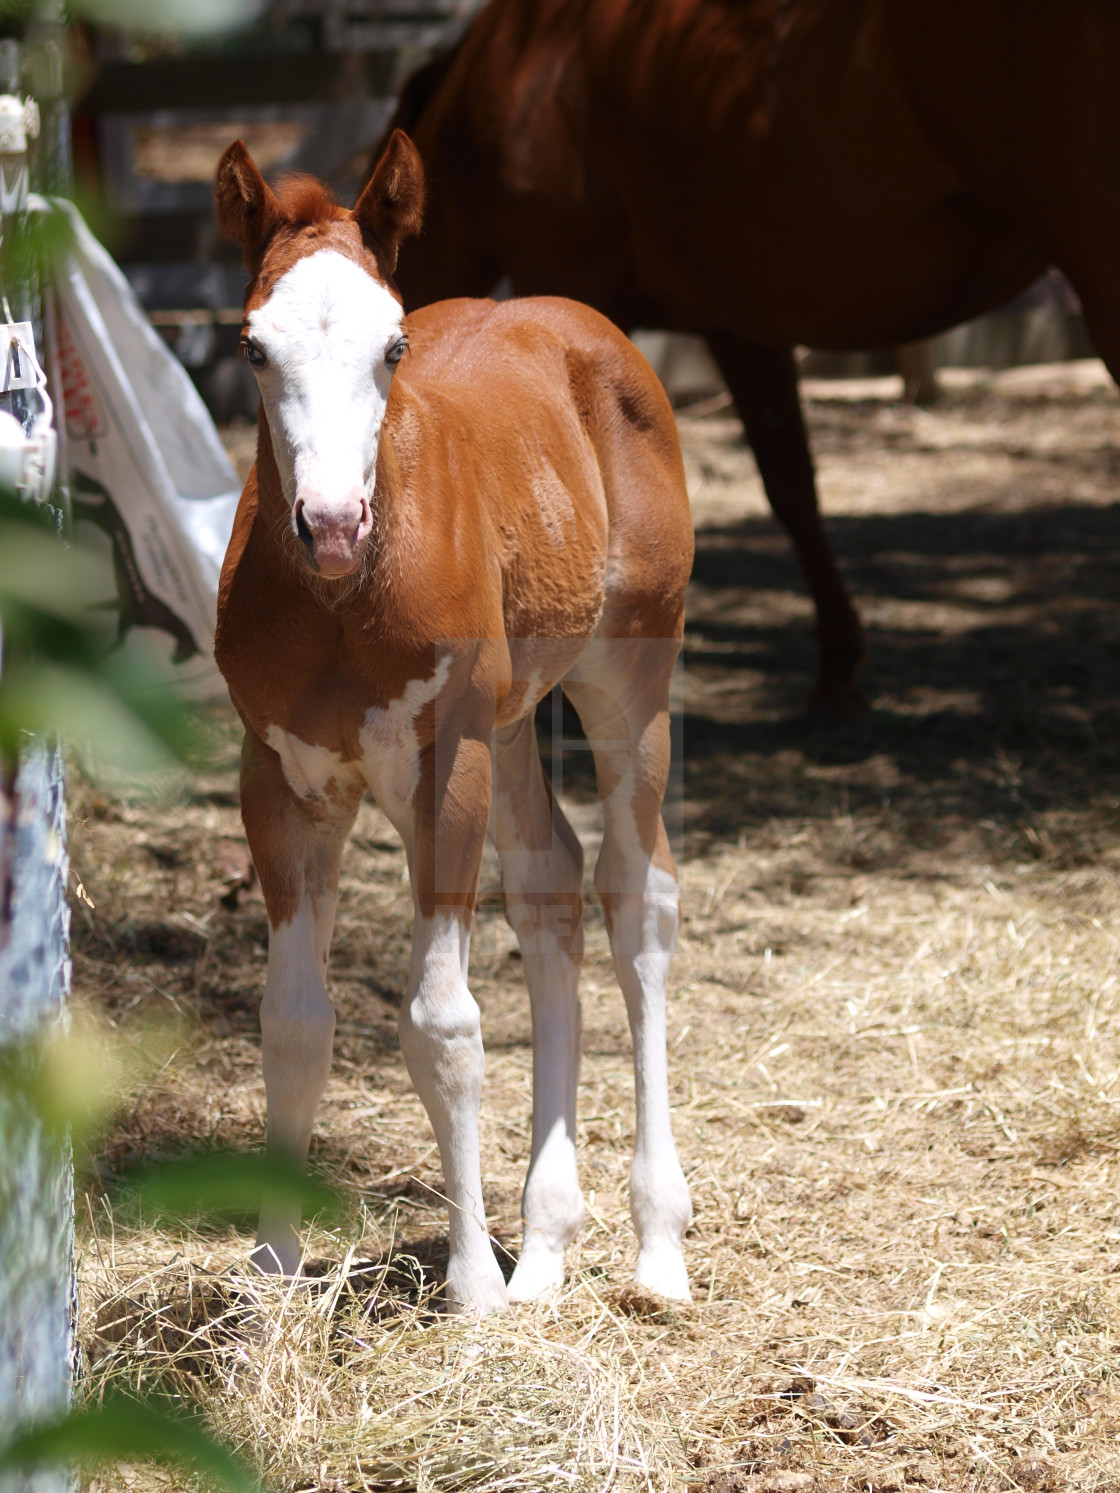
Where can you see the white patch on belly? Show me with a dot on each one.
(308, 769)
(390, 748)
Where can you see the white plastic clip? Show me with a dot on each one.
(19, 122)
(27, 460)
(19, 366)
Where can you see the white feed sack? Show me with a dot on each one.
(150, 483)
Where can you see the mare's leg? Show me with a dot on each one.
(763, 383)
(542, 872)
(917, 362)
(296, 845)
(440, 1031)
(620, 689)
(1101, 307)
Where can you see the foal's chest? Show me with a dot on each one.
(377, 748)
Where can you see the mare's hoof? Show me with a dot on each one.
(837, 698)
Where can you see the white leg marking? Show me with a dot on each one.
(441, 1040)
(542, 870)
(297, 1028)
(643, 931)
(641, 903)
(551, 1205)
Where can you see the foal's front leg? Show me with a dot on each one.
(440, 1031)
(296, 845)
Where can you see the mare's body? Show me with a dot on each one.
(838, 173)
(450, 514)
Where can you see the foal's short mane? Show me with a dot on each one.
(305, 201)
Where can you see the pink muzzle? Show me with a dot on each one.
(333, 534)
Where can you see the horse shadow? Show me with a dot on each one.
(992, 648)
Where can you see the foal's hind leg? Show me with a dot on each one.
(621, 693)
(542, 871)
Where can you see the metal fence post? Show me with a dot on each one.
(37, 1282)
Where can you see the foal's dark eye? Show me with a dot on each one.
(396, 352)
(252, 353)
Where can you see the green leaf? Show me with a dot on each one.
(38, 572)
(223, 1186)
(186, 17)
(57, 673)
(109, 723)
(122, 1430)
(38, 236)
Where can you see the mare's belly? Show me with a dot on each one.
(815, 208)
(850, 272)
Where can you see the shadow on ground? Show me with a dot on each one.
(993, 653)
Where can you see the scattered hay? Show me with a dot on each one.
(347, 1381)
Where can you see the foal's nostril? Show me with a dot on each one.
(303, 533)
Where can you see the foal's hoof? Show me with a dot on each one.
(479, 1295)
(661, 1269)
(275, 1260)
(539, 1273)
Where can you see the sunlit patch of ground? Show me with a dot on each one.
(893, 1032)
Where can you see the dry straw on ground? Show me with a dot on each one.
(893, 1031)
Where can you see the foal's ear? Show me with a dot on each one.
(248, 212)
(392, 205)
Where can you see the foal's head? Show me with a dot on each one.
(323, 332)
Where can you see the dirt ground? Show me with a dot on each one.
(895, 1053)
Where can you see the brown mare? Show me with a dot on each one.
(839, 173)
(450, 513)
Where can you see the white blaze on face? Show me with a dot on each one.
(325, 332)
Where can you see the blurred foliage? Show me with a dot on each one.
(42, 237)
(73, 1083)
(221, 1187)
(127, 1430)
(182, 17)
(57, 675)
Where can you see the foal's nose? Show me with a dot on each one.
(333, 533)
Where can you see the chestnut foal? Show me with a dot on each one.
(450, 513)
